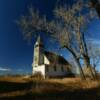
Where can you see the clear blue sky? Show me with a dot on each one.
(15, 53)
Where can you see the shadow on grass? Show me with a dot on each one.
(65, 95)
(53, 94)
(13, 86)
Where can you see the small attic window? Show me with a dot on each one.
(35, 66)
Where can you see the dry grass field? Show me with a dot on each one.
(20, 88)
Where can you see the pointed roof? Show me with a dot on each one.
(39, 41)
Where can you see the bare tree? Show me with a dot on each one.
(74, 21)
(66, 27)
(96, 57)
(94, 54)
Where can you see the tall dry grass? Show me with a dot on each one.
(66, 87)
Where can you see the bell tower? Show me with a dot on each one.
(38, 58)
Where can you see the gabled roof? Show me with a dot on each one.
(53, 57)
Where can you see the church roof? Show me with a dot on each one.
(39, 42)
(52, 57)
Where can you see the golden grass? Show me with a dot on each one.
(69, 84)
(14, 93)
(49, 86)
(12, 79)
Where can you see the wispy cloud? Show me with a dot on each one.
(20, 70)
(94, 41)
(4, 69)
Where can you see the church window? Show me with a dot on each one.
(36, 58)
(62, 68)
(55, 69)
(47, 68)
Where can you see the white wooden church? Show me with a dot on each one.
(48, 63)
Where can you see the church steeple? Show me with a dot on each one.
(38, 58)
(39, 42)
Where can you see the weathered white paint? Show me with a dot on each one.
(46, 61)
(40, 69)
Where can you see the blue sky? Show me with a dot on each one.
(15, 53)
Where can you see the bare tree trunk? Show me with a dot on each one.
(95, 72)
(88, 66)
(86, 57)
(78, 63)
(96, 5)
(80, 68)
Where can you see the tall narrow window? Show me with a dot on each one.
(62, 68)
(55, 69)
(47, 68)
